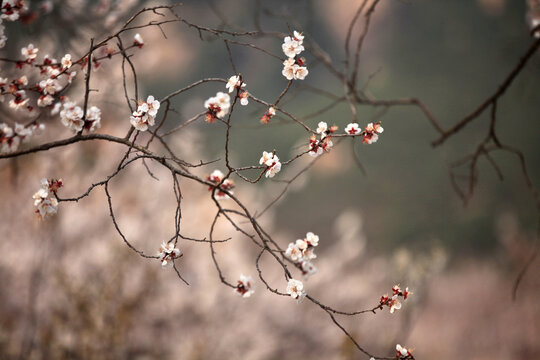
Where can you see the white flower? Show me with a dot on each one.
(244, 98)
(56, 108)
(223, 100)
(23, 132)
(45, 100)
(322, 127)
(71, 76)
(218, 106)
(312, 239)
(288, 72)
(291, 70)
(291, 47)
(138, 40)
(71, 116)
(140, 120)
(370, 138)
(145, 114)
(234, 82)
(309, 254)
(401, 350)
(46, 207)
(244, 287)
(295, 288)
(352, 129)
(298, 36)
(29, 52)
(300, 72)
(44, 200)
(301, 244)
(9, 142)
(394, 304)
(271, 111)
(293, 252)
(153, 106)
(272, 163)
(167, 254)
(374, 128)
(93, 118)
(49, 86)
(308, 269)
(216, 177)
(66, 61)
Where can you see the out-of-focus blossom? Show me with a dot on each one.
(11, 9)
(167, 253)
(244, 287)
(19, 100)
(394, 304)
(295, 288)
(138, 40)
(49, 86)
(29, 52)
(244, 98)
(308, 269)
(402, 352)
(93, 119)
(269, 114)
(45, 100)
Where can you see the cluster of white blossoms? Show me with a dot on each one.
(295, 289)
(55, 78)
(302, 252)
(71, 117)
(145, 115)
(11, 9)
(273, 166)
(11, 138)
(167, 253)
(218, 106)
(244, 288)
(370, 133)
(324, 143)
(403, 353)
(393, 302)
(294, 67)
(45, 200)
(216, 177)
(235, 82)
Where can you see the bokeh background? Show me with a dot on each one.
(70, 288)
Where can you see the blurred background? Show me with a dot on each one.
(70, 288)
